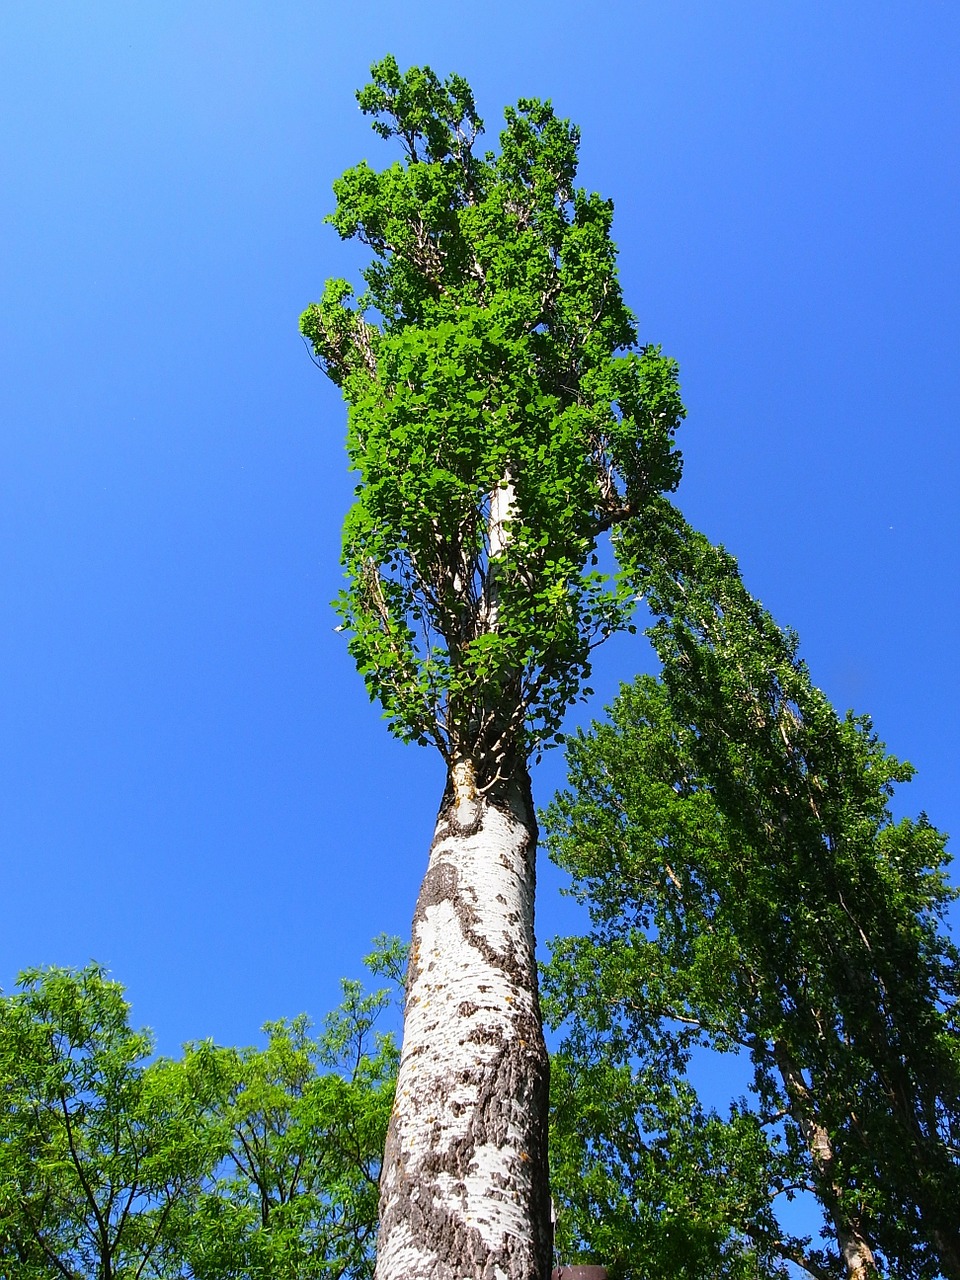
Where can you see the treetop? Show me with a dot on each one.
(501, 416)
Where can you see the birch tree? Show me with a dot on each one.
(501, 418)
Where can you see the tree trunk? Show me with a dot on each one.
(857, 1255)
(464, 1193)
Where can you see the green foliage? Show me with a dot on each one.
(749, 888)
(303, 1121)
(99, 1149)
(487, 361)
(253, 1164)
(646, 1180)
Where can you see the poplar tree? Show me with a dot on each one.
(501, 418)
(750, 887)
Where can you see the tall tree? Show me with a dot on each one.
(99, 1149)
(750, 887)
(302, 1124)
(500, 424)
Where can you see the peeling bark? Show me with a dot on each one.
(464, 1190)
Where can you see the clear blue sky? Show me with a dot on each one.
(194, 789)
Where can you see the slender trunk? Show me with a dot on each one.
(464, 1191)
(857, 1255)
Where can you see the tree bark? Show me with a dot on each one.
(464, 1193)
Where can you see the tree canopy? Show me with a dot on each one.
(749, 888)
(499, 418)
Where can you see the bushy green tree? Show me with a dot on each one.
(501, 419)
(750, 888)
(227, 1164)
(303, 1123)
(100, 1149)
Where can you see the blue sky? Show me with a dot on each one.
(194, 789)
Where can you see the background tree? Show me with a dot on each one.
(500, 424)
(303, 1123)
(99, 1150)
(225, 1165)
(749, 887)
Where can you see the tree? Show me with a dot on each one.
(252, 1164)
(302, 1125)
(749, 887)
(500, 423)
(99, 1150)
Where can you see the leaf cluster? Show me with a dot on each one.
(499, 418)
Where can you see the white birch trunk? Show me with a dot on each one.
(501, 510)
(464, 1190)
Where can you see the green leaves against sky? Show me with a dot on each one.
(490, 348)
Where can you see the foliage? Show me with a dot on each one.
(304, 1121)
(645, 1179)
(749, 888)
(99, 1149)
(225, 1165)
(499, 418)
